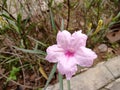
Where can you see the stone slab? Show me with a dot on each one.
(114, 85)
(113, 66)
(96, 78)
(92, 79)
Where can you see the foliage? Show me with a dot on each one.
(26, 30)
(13, 73)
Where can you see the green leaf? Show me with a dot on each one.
(38, 41)
(51, 3)
(13, 73)
(116, 17)
(14, 26)
(52, 21)
(14, 70)
(11, 60)
(19, 20)
(31, 51)
(11, 21)
(4, 3)
(62, 24)
(6, 16)
(51, 75)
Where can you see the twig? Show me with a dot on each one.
(5, 74)
(10, 53)
(22, 70)
(68, 20)
(25, 86)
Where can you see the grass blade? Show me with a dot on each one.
(31, 51)
(50, 76)
(62, 25)
(52, 21)
(37, 41)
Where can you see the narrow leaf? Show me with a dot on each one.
(31, 51)
(62, 25)
(52, 21)
(37, 41)
(50, 76)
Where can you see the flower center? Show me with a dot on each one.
(69, 53)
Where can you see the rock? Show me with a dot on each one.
(92, 79)
(114, 85)
(102, 47)
(113, 66)
(95, 78)
(26, 7)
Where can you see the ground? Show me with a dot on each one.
(25, 37)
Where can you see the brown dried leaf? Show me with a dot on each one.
(43, 72)
(114, 36)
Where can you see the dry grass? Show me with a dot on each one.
(35, 27)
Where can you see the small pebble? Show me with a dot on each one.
(102, 47)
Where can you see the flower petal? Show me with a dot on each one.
(67, 66)
(85, 57)
(53, 53)
(63, 39)
(78, 39)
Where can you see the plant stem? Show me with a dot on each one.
(68, 84)
(60, 81)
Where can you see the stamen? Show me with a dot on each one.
(69, 54)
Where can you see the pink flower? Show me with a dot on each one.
(69, 52)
